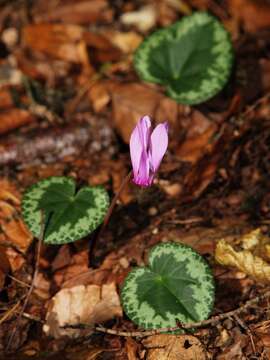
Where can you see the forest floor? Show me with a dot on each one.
(69, 99)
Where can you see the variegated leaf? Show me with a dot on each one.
(192, 58)
(176, 285)
(69, 214)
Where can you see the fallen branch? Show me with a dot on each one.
(213, 320)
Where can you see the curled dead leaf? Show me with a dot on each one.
(244, 260)
(172, 347)
(81, 305)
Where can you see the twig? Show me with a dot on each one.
(247, 330)
(255, 104)
(213, 320)
(40, 240)
(9, 312)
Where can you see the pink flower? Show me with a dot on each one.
(147, 150)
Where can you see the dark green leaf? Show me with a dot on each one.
(177, 285)
(69, 215)
(192, 58)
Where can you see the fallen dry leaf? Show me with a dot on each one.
(99, 96)
(132, 101)
(4, 266)
(14, 232)
(143, 19)
(56, 40)
(79, 12)
(254, 15)
(15, 259)
(131, 348)
(127, 42)
(244, 260)
(11, 119)
(172, 347)
(199, 131)
(81, 305)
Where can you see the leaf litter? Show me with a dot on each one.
(212, 191)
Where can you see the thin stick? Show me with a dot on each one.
(40, 240)
(213, 320)
(113, 203)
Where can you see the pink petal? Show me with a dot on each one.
(159, 144)
(136, 149)
(144, 127)
(142, 177)
(139, 142)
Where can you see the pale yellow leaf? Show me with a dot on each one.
(243, 260)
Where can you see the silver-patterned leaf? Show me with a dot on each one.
(176, 285)
(192, 58)
(69, 214)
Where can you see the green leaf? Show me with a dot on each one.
(69, 215)
(176, 285)
(192, 58)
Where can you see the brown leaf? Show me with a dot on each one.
(5, 98)
(132, 101)
(14, 231)
(172, 347)
(198, 138)
(78, 12)
(131, 348)
(99, 96)
(127, 42)
(4, 266)
(42, 286)
(254, 15)
(81, 305)
(11, 119)
(56, 40)
(15, 259)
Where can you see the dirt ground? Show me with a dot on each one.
(69, 99)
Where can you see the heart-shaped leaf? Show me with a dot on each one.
(68, 215)
(192, 58)
(176, 285)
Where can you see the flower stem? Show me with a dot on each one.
(109, 212)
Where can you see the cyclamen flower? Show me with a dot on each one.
(147, 150)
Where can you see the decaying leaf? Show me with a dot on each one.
(248, 259)
(132, 101)
(14, 231)
(171, 347)
(4, 266)
(11, 119)
(125, 41)
(77, 12)
(144, 19)
(254, 15)
(81, 305)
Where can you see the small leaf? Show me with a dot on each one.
(177, 285)
(69, 215)
(192, 58)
